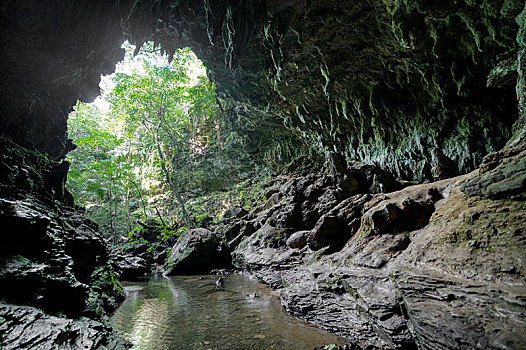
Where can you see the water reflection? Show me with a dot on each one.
(190, 313)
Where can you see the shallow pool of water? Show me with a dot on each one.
(189, 312)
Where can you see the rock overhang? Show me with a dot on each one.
(384, 82)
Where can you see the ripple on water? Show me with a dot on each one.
(190, 313)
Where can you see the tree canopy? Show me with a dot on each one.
(154, 145)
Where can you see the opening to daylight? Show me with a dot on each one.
(255, 175)
(153, 141)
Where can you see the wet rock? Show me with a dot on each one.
(355, 103)
(54, 261)
(457, 314)
(141, 250)
(505, 71)
(197, 251)
(131, 267)
(25, 327)
(360, 288)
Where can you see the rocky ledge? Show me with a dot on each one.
(431, 266)
(58, 282)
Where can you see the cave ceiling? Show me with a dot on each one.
(384, 82)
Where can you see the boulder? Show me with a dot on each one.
(234, 213)
(298, 239)
(131, 267)
(197, 251)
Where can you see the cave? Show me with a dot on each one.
(426, 100)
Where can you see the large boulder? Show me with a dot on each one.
(131, 267)
(197, 251)
(297, 239)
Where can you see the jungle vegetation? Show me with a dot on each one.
(156, 146)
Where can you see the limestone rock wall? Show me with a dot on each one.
(384, 82)
(58, 281)
(417, 87)
(52, 53)
(432, 266)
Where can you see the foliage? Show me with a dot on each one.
(159, 146)
(99, 176)
(210, 208)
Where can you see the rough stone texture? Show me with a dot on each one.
(146, 251)
(54, 262)
(432, 266)
(383, 82)
(53, 53)
(236, 212)
(197, 251)
(131, 267)
(501, 173)
(24, 327)
(297, 239)
(519, 128)
(405, 210)
(52, 259)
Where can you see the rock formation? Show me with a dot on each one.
(421, 90)
(431, 266)
(58, 282)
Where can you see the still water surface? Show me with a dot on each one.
(188, 312)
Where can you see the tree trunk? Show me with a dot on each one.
(173, 187)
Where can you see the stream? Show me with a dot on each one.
(189, 312)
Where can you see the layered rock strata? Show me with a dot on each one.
(432, 266)
(383, 82)
(58, 283)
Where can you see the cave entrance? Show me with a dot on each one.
(144, 143)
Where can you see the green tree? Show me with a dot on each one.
(157, 103)
(100, 175)
(163, 136)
